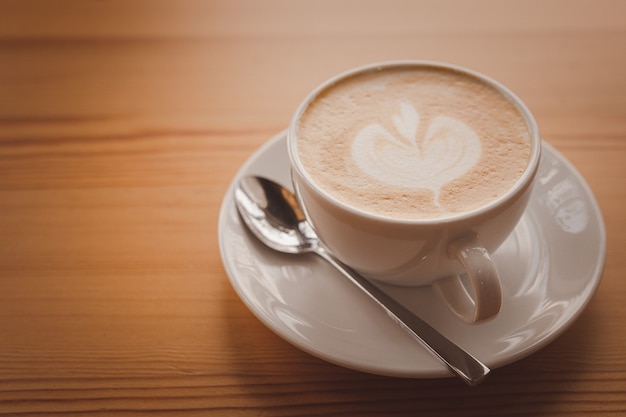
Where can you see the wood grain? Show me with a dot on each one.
(122, 124)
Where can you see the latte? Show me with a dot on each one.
(413, 143)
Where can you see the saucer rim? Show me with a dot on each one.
(590, 288)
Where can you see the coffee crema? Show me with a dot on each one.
(413, 142)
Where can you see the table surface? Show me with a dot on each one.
(122, 124)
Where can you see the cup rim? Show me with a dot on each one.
(522, 183)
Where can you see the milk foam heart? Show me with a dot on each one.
(413, 143)
(448, 150)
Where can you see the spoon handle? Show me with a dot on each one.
(462, 363)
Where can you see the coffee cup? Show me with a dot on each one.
(413, 173)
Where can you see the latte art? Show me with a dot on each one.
(413, 143)
(448, 150)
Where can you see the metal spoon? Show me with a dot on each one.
(273, 215)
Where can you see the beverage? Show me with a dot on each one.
(416, 142)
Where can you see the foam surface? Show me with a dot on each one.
(413, 143)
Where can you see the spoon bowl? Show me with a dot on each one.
(273, 215)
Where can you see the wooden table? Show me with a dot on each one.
(122, 124)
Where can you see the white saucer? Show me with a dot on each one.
(550, 266)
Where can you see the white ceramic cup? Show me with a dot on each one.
(443, 252)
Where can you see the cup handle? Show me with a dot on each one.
(486, 300)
